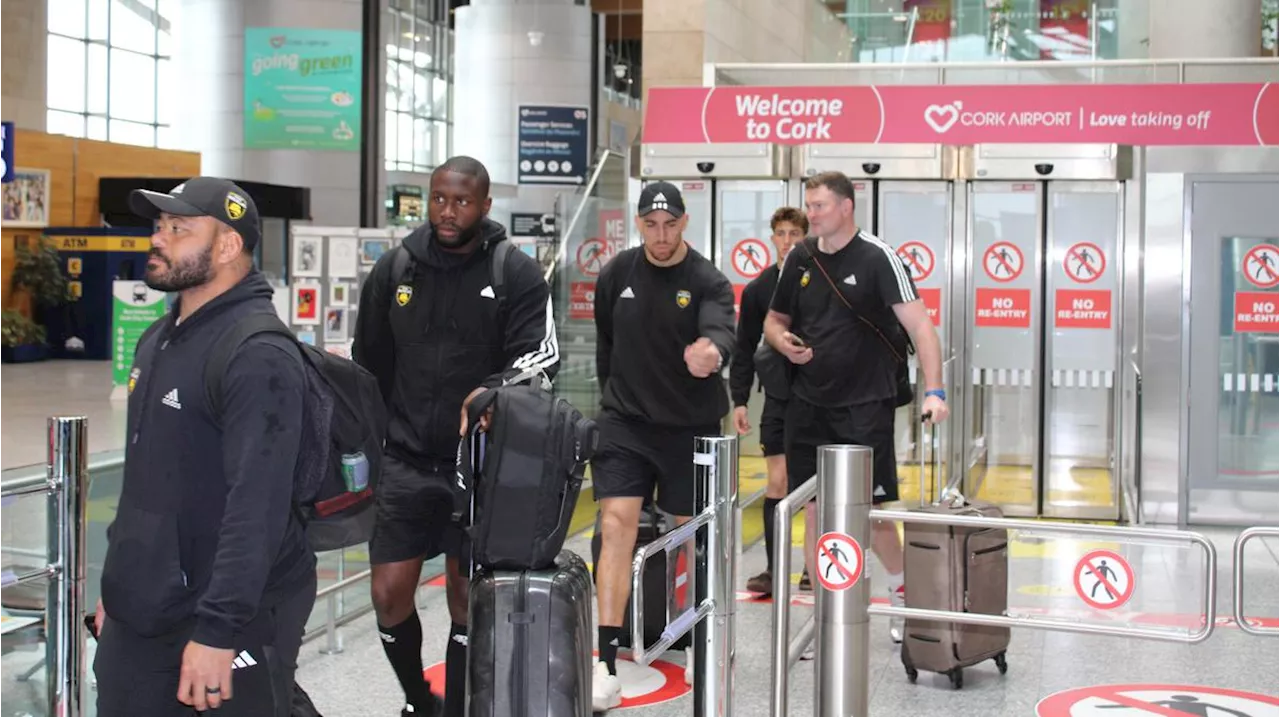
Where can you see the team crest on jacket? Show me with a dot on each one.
(133, 378)
(804, 278)
(683, 298)
(404, 292)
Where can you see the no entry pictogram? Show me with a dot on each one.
(918, 258)
(750, 258)
(1261, 267)
(1156, 699)
(1103, 580)
(839, 562)
(1003, 261)
(1084, 262)
(591, 257)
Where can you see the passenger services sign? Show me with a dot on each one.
(1147, 115)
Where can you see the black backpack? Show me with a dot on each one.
(521, 479)
(344, 418)
(402, 263)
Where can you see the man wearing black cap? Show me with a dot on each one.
(208, 578)
(665, 327)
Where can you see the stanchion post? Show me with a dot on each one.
(844, 505)
(716, 478)
(68, 488)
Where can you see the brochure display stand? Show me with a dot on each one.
(327, 270)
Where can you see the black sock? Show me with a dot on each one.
(770, 504)
(403, 645)
(455, 671)
(609, 647)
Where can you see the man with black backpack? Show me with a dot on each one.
(838, 314)
(208, 579)
(452, 311)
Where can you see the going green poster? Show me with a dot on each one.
(301, 89)
(134, 307)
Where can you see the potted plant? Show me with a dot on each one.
(21, 339)
(37, 274)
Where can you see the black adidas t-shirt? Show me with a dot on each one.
(851, 364)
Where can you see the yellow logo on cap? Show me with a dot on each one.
(804, 278)
(133, 378)
(682, 298)
(236, 206)
(404, 292)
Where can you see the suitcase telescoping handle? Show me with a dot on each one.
(950, 494)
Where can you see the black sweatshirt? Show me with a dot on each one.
(204, 532)
(645, 317)
(752, 311)
(447, 338)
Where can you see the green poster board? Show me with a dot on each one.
(301, 89)
(134, 307)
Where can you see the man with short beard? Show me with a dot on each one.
(436, 332)
(208, 569)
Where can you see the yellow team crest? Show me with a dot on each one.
(235, 206)
(404, 292)
(804, 278)
(133, 378)
(683, 298)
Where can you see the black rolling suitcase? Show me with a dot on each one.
(530, 641)
(656, 579)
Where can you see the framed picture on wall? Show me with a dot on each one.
(339, 294)
(26, 198)
(306, 257)
(306, 304)
(335, 325)
(371, 250)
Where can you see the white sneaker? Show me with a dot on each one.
(606, 689)
(688, 665)
(897, 598)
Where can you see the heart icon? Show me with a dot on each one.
(941, 117)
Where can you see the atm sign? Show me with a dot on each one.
(1079, 309)
(1256, 312)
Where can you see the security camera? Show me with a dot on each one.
(1044, 169)
(619, 70)
(706, 167)
(871, 167)
(535, 37)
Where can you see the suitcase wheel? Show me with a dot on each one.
(1001, 663)
(912, 674)
(957, 678)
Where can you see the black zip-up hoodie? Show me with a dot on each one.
(204, 537)
(433, 344)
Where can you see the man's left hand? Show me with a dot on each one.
(484, 418)
(205, 681)
(701, 357)
(935, 410)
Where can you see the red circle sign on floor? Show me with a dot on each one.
(660, 681)
(1168, 700)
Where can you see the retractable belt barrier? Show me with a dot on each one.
(714, 531)
(843, 488)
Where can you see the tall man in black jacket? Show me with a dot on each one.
(435, 336)
(664, 323)
(207, 570)
(787, 226)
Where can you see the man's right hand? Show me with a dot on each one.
(792, 347)
(98, 616)
(740, 421)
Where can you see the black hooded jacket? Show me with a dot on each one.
(433, 336)
(204, 537)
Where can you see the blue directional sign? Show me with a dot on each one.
(553, 144)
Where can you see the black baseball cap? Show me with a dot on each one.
(661, 196)
(221, 199)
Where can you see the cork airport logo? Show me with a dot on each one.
(942, 117)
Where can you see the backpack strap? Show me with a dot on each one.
(400, 266)
(216, 365)
(498, 268)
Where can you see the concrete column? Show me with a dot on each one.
(25, 61)
(497, 69)
(1195, 28)
(209, 42)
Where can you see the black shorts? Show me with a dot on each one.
(773, 420)
(867, 424)
(634, 457)
(414, 517)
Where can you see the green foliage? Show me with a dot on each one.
(38, 273)
(18, 330)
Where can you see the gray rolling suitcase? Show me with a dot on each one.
(960, 570)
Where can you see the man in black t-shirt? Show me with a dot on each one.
(788, 226)
(664, 323)
(845, 386)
